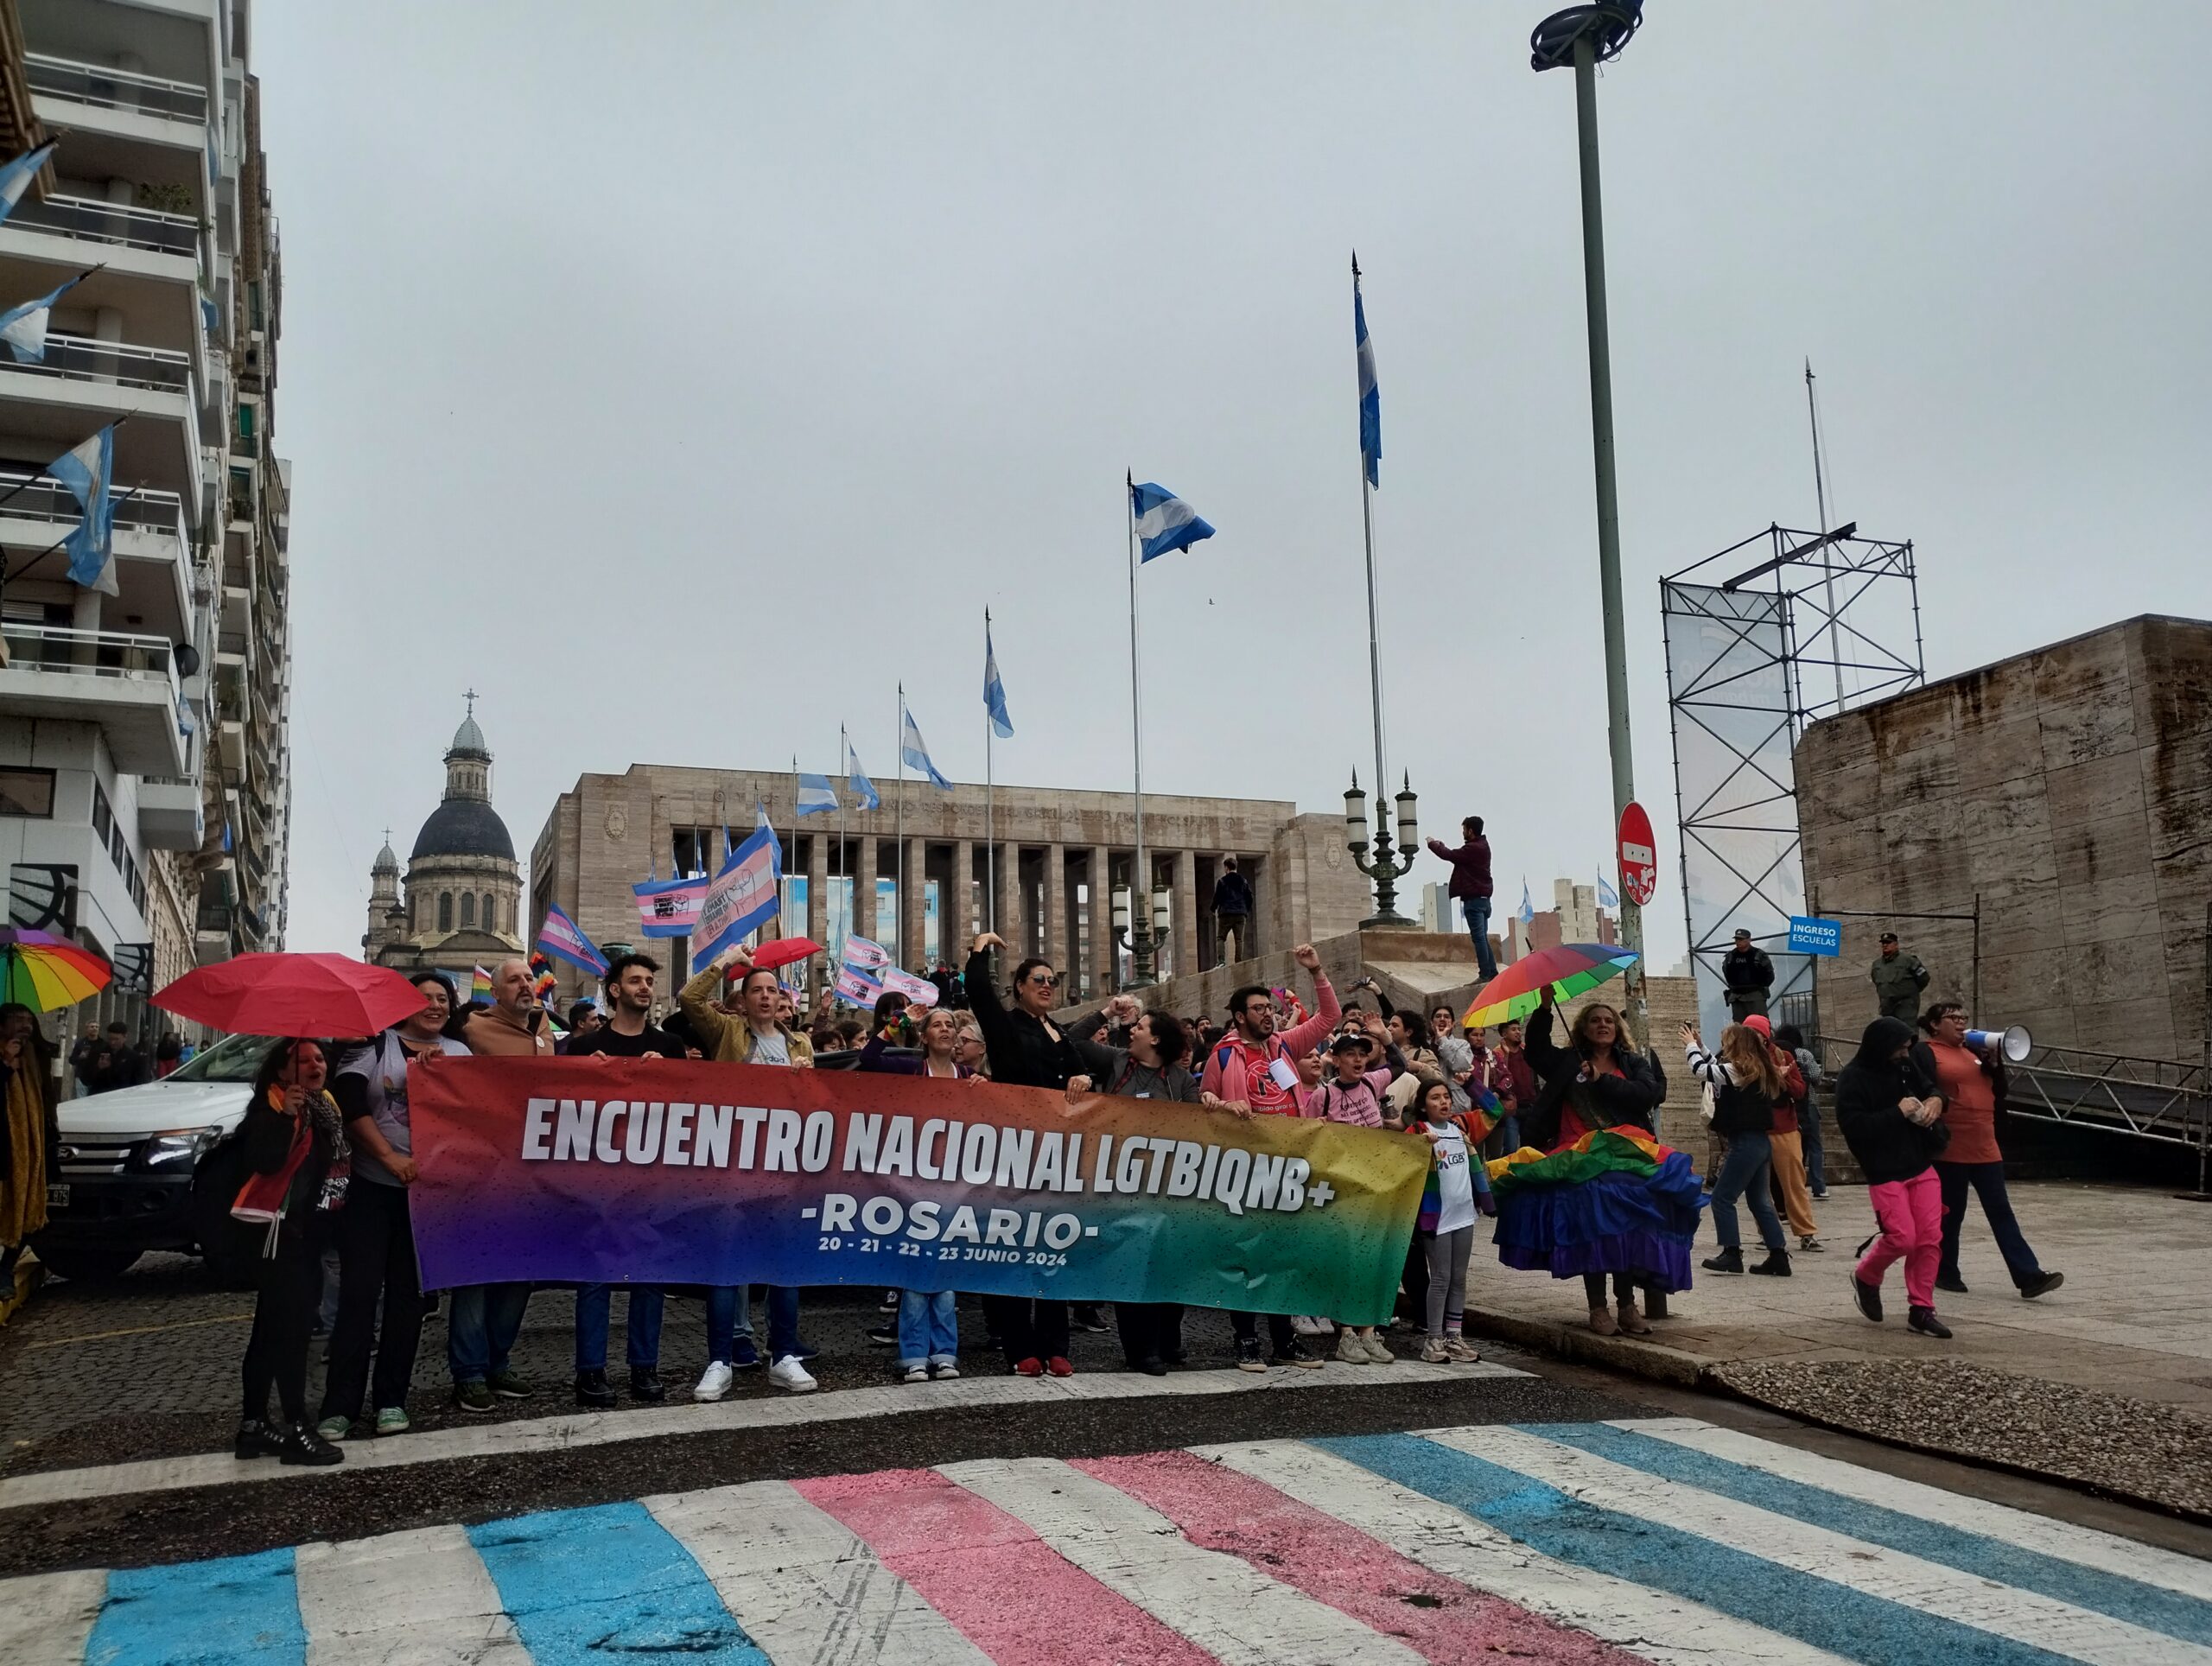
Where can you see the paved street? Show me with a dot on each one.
(1665, 1539)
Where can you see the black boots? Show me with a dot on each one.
(1868, 1296)
(1924, 1321)
(1730, 1260)
(256, 1438)
(593, 1390)
(300, 1444)
(1777, 1264)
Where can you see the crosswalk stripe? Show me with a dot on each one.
(45, 1618)
(234, 1609)
(2027, 1619)
(1657, 1624)
(806, 1588)
(422, 1596)
(1218, 1509)
(1971, 1553)
(1745, 1583)
(991, 1576)
(2106, 1552)
(607, 1582)
(1237, 1613)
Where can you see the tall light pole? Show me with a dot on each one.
(1586, 36)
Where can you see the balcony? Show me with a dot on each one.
(83, 383)
(152, 554)
(89, 219)
(169, 816)
(102, 87)
(126, 685)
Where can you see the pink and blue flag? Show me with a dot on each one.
(563, 939)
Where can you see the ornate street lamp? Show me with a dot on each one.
(1384, 869)
(1133, 930)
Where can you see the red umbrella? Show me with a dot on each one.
(783, 952)
(293, 994)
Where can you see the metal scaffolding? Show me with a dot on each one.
(1830, 609)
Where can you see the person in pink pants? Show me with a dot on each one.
(1889, 1113)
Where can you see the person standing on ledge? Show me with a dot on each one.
(1898, 979)
(1233, 913)
(1471, 884)
(1750, 977)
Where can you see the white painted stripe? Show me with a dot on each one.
(1220, 1602)
(556, 1435)
(804, 1587)
(46, 1620)
(2005, 1611)
(2107, 1552)
(1663, 1629)
(416, 1599)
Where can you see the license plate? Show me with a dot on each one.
(57, 1197)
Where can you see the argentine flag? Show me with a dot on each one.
(1528, 908)
(815, 796)
(88, 470)
(16, 178)
(857, 783)
(994, 691)
(1370, 402)
(1607, 897)
(915, 755)
(23, 329)
(1164, 521)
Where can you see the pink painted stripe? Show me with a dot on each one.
(1218, 1509)
(1012, 1595)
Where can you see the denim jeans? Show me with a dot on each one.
(1475, 909)
(641, 1328)
(730, 1316)
(929, 1332)
(1743, 1175)
(482, 1321)
(1988, 1182)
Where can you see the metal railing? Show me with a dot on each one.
(42, 497)
(95, 221)
(2150, 1098)
(108, 88)
(91, 653)
(82, 360)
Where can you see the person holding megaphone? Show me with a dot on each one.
(1971, 1078)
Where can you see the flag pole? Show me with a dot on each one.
(845, 811)
(1374, 629)
(1140, 887)
(898, 902)
(990, 851)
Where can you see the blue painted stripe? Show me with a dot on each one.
(1823, 1613)
(586, 1586)
(2149, 1606)
(235, 1609)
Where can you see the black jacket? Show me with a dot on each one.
(1747, 969)
(1023, 1053)
(266, 1135)
(1232, 895)
(1735, 1110)
(1601, 1102)
(1887, 1145)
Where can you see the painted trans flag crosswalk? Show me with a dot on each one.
(1665, 1540)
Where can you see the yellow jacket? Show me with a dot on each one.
(729, 1040)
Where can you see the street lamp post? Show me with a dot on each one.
(1136, 929)
(1585, 37)
(1384, 869)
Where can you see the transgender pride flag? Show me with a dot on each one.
(561, 937)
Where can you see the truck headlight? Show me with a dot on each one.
(181, 1145)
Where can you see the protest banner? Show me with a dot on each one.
(678, 1171)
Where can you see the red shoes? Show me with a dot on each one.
(1059, 1367)
(1030, 1367)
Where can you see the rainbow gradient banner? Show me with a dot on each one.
(680, 1171)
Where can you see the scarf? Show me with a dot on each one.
(265, 1197)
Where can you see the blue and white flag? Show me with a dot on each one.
(1607, 897)
(23, 329)
(1164, 521)
(857, 783)
(815, 795)
(915, 755)
(88, 471)
(994, 691)
(1528, 908)
(16, 178)
(1370, 402)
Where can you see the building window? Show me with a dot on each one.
(491, 913)
(445, 911)
(28, 792)
(245, 423)
(103, 818)
(468, 909)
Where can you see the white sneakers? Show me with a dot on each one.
(789, 1375)
(716, 1384)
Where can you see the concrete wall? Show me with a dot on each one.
(2068, 788)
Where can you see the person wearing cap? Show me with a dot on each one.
(1750, 977)
(1898, 979)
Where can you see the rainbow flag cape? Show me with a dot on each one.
(1615, 1201)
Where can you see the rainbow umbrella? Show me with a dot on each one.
(43, 971)
(1568, 970)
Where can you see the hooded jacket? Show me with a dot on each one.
(1888, 1145)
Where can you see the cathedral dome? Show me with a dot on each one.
(463, 827)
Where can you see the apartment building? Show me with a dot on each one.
(144, 759)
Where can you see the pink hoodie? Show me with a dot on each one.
(1232, 1060)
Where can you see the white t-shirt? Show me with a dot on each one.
(1455, 1186)
(770, 1047)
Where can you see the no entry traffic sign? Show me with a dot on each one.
(1639, 858)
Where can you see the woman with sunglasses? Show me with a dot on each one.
(1027, 1049)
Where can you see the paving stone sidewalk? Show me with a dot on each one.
(2124, 1345)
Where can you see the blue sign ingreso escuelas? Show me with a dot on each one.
(1816, 937)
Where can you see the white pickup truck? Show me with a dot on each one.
(126, 1161)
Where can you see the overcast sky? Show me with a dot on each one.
(683, 376)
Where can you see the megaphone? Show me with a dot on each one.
(2013, 1045)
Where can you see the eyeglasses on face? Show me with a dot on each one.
(1047, 980)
